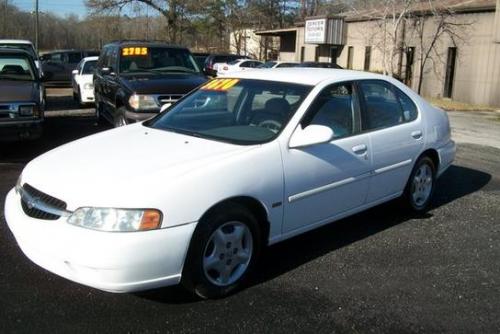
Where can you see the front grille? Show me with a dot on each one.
(172, 98)
(42, 198)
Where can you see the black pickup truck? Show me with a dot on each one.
(135, 79)
(22, 96)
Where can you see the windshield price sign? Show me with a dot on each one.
(220, 84)
(133, 51)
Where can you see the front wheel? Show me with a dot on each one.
(120, 119)
(420, 187)
(222, 253)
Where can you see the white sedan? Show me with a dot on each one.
(194, 194)
(82, 80)
(237, 66)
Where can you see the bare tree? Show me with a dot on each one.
(442, 24)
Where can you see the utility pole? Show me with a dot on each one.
(5, 8)
(36, 25)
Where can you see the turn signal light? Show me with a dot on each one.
(151, 219)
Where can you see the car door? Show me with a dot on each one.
(326, 180)
(396, 136)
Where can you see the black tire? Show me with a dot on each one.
(194, 277)
(120, 119)
(409, 200)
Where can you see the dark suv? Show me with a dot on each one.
(135, 79)
(58, 65)
(22, 96)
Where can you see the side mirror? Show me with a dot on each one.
(106, 70)
(311, 135)
(74, 72)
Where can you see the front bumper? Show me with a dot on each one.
(133, 117)
(20, 130)
(109, 261)
(87, 95)
(446, 156)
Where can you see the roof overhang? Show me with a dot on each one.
(276, 32)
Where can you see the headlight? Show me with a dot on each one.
(116, 220)
(88, 86)
(142, 102)
(26, 110)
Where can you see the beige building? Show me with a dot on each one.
(462, 60)
(245, 42)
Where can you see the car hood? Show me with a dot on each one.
(18, 91)
(163, 84)
(98, 170)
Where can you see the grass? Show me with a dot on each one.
(450, 105)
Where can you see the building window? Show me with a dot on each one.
(302, 54)
(350, 57)
(450, 72)
(368, 57)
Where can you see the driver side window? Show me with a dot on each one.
(335, 107)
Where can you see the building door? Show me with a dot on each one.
(410, 57)
(368, 57)
(302, 54)
(350, 57)
(334, 51)
(450, 72)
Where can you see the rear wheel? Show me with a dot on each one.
(420, 187)
(222, 253)
(99, 113)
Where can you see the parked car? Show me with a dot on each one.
(26, 46)
(237, 66)
(134, 79)
(277, 63)
(214, 60)
(200, 58)
(319, 65)
(58, 65)
(82, 80)
(22, 96)
(194, 194)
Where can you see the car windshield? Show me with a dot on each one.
(89, 67)
(238, 111)
(16, 68)
(156, 60)
(26, 47)
(268, 64)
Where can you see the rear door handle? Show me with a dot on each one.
(416, 134)
(360, 149)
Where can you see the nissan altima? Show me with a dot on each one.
(193, 195)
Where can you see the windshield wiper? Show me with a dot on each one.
(14, 79)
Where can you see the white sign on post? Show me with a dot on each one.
(315, 31)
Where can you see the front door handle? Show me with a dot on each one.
(417, 134)
(360, 149)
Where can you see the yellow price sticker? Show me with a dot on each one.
(220, 84)
(135, 51)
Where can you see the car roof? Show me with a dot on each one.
(306, 76)
(15, 51)
(16, 41)
(90, 58)
(145, 43)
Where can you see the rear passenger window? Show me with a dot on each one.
(334, 107)
(410, 112)
(382, 106)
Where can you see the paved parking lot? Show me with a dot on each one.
(379, 271)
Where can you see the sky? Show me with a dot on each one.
(59, 7)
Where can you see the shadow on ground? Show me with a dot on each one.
(286, 256)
